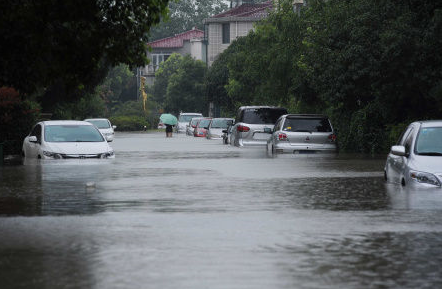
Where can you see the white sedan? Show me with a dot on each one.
(66, 139)
(104, 126)
(417, 158)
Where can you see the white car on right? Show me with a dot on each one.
(417, 157)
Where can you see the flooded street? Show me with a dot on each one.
(193, 213)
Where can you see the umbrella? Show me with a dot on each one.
(167, 118)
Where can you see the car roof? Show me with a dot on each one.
(223, 118)
(260, 106)
(191, 113)
(430, 123)
(95, 119)
(304, 116)
(65, 122)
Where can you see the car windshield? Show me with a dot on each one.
(194, 121)
(72, 133)
(429, 141)
(186, 118)
(204, 123)
(262, 115)
(307, 125)
(100, 123)
(221, 123)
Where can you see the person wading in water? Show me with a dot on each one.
(168, 130)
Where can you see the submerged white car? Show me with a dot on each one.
(66, 139)
(417, 158)
(104, 126)
(183, 120)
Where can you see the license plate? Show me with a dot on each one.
(261, 136)
(267, 130)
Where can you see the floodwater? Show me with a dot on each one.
(193, 213)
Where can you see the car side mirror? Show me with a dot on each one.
(398, 151)
(114, 126)
(33, 139)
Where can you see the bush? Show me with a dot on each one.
(129, 123)
(16, 119)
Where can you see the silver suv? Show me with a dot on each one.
(253, 125)
(302, 133)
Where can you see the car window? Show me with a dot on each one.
(429, 141)
(220, 123)
(36, 131)
(262, 115)
(72, 133)
(405, 135)
(278, 125)
(194, 121)
(204, 123)
(187, 118)
(100, 123)
(307, 125)
(409, 141)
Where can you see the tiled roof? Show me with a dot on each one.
(247, 10)
(177, 40)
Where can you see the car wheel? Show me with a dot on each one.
(403, 182)
(385, 176)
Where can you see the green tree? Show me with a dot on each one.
(72, 43)
(162, 76)
(119, 85)
(186, 88)
(186, 14)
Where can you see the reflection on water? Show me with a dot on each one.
(192, 213)
(378, 260)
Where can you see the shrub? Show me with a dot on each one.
(16, 119)
(129, 123)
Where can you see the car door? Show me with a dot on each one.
(32, 148)
(398, 163)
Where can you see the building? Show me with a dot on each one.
(189, 42)
(222, 29)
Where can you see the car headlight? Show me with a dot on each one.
(52, 155)
(424, 178)
(107, 155)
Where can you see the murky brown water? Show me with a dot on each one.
(192, 213)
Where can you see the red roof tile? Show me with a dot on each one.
(177, 40)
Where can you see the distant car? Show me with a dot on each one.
(104, 126)
(216, 127)
(201, 127)
(302, 133)
(161, 125)
(253, 124)
(227, 133)
(183, 120)
(66, 139)
(417, 157)
(192, 125)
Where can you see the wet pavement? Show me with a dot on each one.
(193, 213)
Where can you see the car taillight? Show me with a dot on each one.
(332, 137)
(282, 136)
(194, 126)
(242, 128)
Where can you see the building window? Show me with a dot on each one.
(226, 33)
